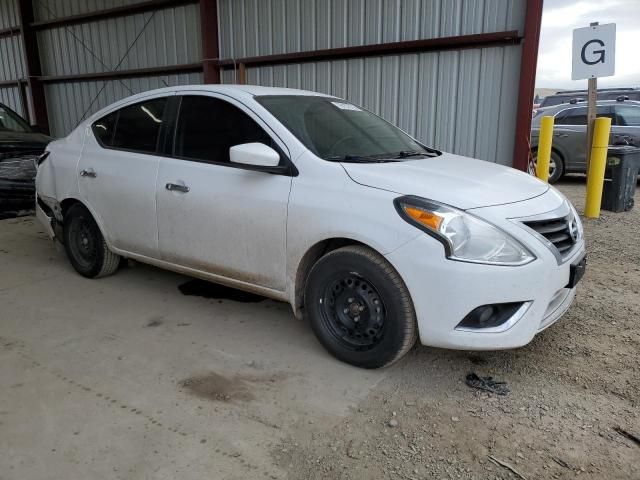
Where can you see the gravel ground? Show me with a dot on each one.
(570, 389)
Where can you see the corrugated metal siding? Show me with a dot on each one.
(51, 9)
(263, 27)
(10, 96)
(11, 59)
(458, 101)
(171, 37)
(69, 103)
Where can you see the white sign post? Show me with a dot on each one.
(594, 55)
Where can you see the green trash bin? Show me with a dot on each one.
(621, 176)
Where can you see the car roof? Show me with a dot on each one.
(563, 106)
(253, 90)
(235, 91)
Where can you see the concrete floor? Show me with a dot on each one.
(126, 378)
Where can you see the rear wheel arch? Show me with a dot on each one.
(67, 203)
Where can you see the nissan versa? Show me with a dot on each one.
(374, 237)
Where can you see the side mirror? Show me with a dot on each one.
(257, 154)
(36, 129)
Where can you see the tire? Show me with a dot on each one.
(359, 307)
(554, 174)
(85, 245)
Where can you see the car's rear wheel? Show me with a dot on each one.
(359, 307)
(556, 166)
(85, 245)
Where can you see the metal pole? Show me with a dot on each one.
(591, 110)
(595, 179)
(210, 48)
(32, 65)
(544, 148)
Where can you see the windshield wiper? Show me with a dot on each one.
(358, 159)
(410, 153)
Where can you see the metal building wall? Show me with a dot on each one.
(11, 58)
(459, 101)
(171, 36)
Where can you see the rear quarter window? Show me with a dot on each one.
(135, 127)
(103, 129)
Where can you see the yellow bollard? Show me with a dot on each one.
(544, 148)
(597, 165)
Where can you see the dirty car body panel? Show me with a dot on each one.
(181, 204)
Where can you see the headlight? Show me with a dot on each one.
(464, 236)
(578, 222)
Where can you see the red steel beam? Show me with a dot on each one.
(12, 83)
(32, 65)
(114, 75)
(8, 32)
(460, 42)
(210, 49)
(526, 89)
(109, 13)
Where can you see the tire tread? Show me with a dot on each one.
(410, 325)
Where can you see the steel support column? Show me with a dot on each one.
(210, 51)
(32, 65)
(529, 62)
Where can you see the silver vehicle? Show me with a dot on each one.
(569, 152)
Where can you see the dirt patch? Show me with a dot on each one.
(220, 388)
(154, 322)
(201, 288)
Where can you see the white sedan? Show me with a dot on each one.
(372, 236)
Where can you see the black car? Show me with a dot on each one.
(20, 146)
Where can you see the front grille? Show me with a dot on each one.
(562, 233)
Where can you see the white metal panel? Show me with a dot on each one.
(172, 36)
(263, 27)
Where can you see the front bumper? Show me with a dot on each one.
(445, 291)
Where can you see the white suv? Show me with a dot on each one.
(306, 198)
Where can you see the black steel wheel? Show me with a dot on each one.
(359, 307)
(85, 245)
(353, 311)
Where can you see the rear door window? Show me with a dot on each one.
(627, 115)
(138, 126)
(578, 116)
(208, 127)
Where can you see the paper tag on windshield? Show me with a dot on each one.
(346, 106)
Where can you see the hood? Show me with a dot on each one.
(461, 182)
(12, 141)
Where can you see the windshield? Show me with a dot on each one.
(334, 129)
(12, 122)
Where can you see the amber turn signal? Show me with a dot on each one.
(428, 219)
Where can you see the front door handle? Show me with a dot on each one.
(88, 173)
(174, 187)
(561, 135)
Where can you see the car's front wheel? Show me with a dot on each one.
(359, 307)
(85, 245)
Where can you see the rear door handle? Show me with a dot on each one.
(174, 187)
(561, 135)
(91, 173)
